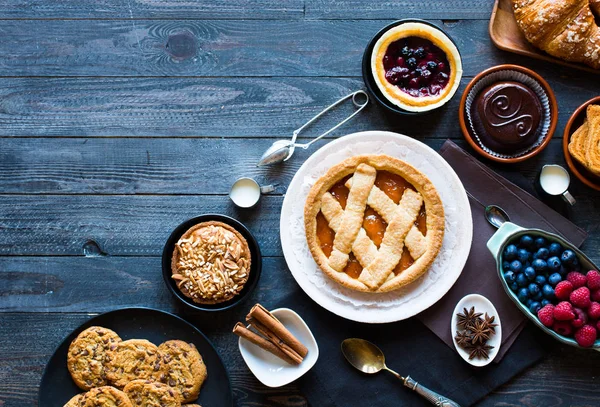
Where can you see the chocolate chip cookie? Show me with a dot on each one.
(130, 360)
(182, 368)
(145, 393)
(87, 354)
(76, 401)
(106, 396)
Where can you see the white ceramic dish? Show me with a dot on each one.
(482, 305)
(407, 301)
(269, 369)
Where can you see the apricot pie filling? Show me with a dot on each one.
(369, 228)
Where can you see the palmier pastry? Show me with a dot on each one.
(374, 223)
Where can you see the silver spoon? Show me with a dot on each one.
(282, 150)
(496, 215)
(368, 358)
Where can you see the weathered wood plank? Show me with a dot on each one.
(240, 9)
(222, 107)
(567, 377)
(359, 9)
(211, 47)
(140, 225)
(178, 166)
(63, 284)
(28, 340)
(136, 9)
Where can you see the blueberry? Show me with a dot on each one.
(523, 295)
(529, 273)
(568, 258)
(516, 266)
(539, 265)
(420, 52)
(533, 289)
(526, 241)
(554, 279)
(521, 280)
(545, 302)
(505, 265)
(513, 287)
(432, 66)
(548, 291)
(563, 271)
(528, 302)
(553, 264)
(510, 253)
(406, 52)
(535, 307)
(411, 62)
(509, 276)
(555, 249)
(523, 255)
(542, 253)
(539, 242)
(538, 296)
(540, 280)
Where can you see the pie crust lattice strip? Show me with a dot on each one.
(379, 263)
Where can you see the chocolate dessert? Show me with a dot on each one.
(507, 116)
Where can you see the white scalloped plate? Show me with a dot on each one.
(407, 301)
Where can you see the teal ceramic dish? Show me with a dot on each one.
(507, 233)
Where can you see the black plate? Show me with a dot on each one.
(368, 73)
(57, 387)
(255, 263)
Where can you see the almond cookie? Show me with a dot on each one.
(106, 396)
(76, 401)
(145, 393)
(130, 360)
(87, 354)
(182, 368)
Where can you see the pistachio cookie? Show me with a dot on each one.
(145, 393)
(76, 401)
(106, 396)
(87, 354)
(182, 368)
(130, 360)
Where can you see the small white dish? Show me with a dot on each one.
(269, 369)
(482, 305)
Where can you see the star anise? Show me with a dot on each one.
(481, 332)
(467, 319)
(489, 321)
(480, 351)
(464, 338)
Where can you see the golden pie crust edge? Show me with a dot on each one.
(394, 94)
(188, 233)
(433, 205)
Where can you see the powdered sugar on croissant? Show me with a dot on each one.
(567, 29)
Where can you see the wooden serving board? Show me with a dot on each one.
(506, 35)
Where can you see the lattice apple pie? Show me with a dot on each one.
(374, 223)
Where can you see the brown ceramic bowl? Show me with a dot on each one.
(466, 130)
(573, 124)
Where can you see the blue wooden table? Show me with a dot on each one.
(121, 119)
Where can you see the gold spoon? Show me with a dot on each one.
(369, 359)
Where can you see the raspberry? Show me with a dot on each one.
(586, 336)
(562, 328)
(581, 318)
(596, 295)
(580, 297)
(564, 311)
(563, 290)
(546, 315)
(593, 279)
(577, 279)
(594, 310)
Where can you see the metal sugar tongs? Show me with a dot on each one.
(282, 150)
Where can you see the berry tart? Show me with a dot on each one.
(416, 66)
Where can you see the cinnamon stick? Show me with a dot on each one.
(262, 315)
(240, 330)
(264, 331)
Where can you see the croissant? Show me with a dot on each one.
(566, 29)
